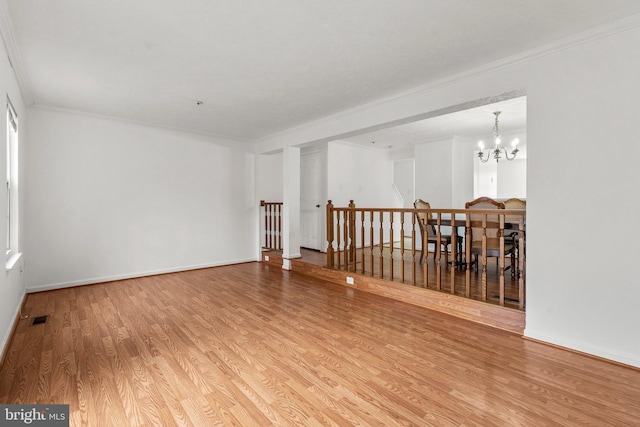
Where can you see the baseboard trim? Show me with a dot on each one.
(6, 340)
(593, 352)
(103, 279)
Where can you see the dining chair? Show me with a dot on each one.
(492, 229)
(514, 203)
(430, 231)
(514, 220)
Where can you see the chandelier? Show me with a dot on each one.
(497, 150)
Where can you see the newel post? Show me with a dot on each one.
(329, 218)
(266, 228)
(352, 231)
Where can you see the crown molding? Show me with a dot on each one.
(227, 141)
(6, 30)
(593, 34)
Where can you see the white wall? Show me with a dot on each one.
(463, 173)
(434, 173)
(404, 180)
(583, 100)
(364, 175)
(12, 287)
(108, 199)
(512, 179)
(585, 112)
(269, 177)
(360, 174)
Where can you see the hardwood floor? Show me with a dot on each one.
(407, 270)
(253, 345)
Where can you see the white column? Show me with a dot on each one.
(291, 206)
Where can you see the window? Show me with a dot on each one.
(12, 184)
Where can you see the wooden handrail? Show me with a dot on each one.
(373, 241)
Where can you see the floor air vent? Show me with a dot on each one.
(39, 320)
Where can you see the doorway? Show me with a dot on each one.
(312, 184)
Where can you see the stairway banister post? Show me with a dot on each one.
(329, 217)
(521, 263)
(352, 231)
(279, 230)
(501, 265)
(263, 212)
(467, 254)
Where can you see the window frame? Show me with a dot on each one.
(11, 178)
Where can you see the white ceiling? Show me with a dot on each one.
(262, 66)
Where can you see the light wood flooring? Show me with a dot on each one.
(253, 345)
(429, 274)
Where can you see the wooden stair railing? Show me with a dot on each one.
(272, 213)
(382, 243)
